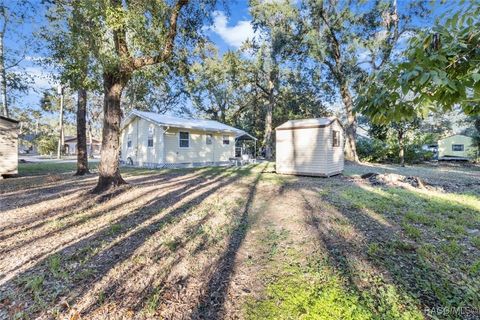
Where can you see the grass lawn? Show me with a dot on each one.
(244, 243)
(50, 167)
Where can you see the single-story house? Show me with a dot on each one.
(312, 147)
(455, 147)
(156, 140)
(8, 146)
(70, 146)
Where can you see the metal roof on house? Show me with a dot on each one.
(185, 123)
(307, 123)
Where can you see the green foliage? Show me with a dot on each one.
(476, 241)
(47, 144)
(308, 294)
(411, 231)
(440, 70)
(375, 150)
(316, 291)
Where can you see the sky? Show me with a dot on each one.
(230, 27)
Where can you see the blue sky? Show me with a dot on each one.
(229, 29)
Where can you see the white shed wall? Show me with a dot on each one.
(8, 147)
(335, 159)
(309, 151)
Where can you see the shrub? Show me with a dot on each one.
(372, 150)
(47, 144)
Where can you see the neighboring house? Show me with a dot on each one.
(70, 146)
(154, 140)
(312, 147)
(8, 146)
(455, 147)
(26, 144)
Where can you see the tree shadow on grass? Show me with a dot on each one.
(385, 248)
(85, 202)
(211, 305)
(88, 251)
(80, 206)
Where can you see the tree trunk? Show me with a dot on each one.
(350, 130)
(401, 144)
(3, 71)
(3, 74)
(113, 85)
(90, 139)
(267, 139)
(82, 153)
(60, 138)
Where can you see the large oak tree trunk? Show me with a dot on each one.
(82, 153)
(351, 128)
(113, 84)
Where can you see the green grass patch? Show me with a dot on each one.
(450, 213)
(411, 231)
(318, 292)
(476, 241)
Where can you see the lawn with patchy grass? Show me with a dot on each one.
(245, 243)
(50, 167)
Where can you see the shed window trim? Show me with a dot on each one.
(185, 141)
(209, 139)
(151, 131)
(335, 138)
(458, 147)
(225, 140)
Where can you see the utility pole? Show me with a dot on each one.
(60, 138)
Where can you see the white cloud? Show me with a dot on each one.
(42, 79)
(235, 35)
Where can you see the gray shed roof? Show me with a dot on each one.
(185, 123)
(308, 123)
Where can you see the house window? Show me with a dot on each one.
(336, 138)
(209, 138)
(226, 140)
(457, 147)
(129, 141)
(184, 139)
(151, 131)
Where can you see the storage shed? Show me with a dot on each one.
(312, 147)
(8, 146)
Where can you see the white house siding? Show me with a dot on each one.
(309, 151)
(8, 147)
(140, 153)
(445, 146)
(198, 151)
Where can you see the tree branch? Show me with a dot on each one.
(168, 49)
